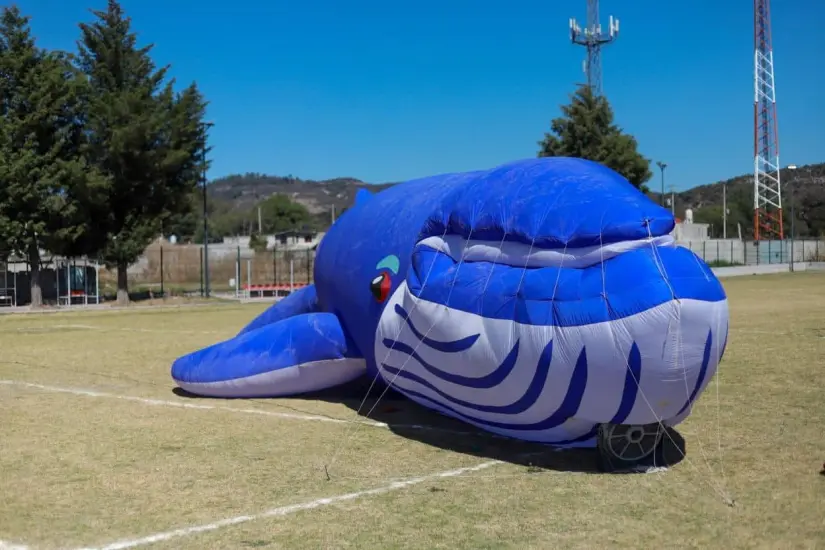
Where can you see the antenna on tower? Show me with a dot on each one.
(767, 188)
(592, 38)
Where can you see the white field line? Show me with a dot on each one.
(164, 403)
(273, 414)
(287, 510)
(48, 328)
(289, 416)
(9, 546)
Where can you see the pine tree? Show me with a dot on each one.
(586, 130)
(44, 181)
(145, 139)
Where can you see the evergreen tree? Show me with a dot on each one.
(145, 139)
(186, 224)
(44, 181)
(586, 130)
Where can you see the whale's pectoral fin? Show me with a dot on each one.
(303, 300)
(299, 354)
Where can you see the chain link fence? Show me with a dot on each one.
(178, 270)
(732, 252)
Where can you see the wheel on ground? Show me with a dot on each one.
(628, 443)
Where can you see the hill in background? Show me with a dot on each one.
(237, 197)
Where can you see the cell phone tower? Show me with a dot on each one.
(592, 38)
(767, 188)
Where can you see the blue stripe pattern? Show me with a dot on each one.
(569, 406)
(631, 385)
(703, 370)
(446, 347)
(522, 404)
(483, 382)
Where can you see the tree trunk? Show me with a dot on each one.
(122, 285)
(34, 263)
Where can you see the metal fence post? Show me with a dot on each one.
(161, 271)
(238, 273)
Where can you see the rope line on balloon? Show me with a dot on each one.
(447, 302)
(660, 264)
(483, 293)
(388, 384)
(403, 366)
(625, 356)
(432, 325)
(640, 390)
(717, 383)
(679, 351)
(719, 489)
(348, 429)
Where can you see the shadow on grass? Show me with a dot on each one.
(412, 421)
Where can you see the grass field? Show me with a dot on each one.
(96, 450)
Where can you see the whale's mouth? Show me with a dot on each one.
(453, 270)
(524, 256)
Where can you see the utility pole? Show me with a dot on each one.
(792, 168)
(672, 199)
(260, 225)
(204, 127)
(662, 166)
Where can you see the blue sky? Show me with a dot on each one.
(387, 91)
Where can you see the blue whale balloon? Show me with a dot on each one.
(536, 300)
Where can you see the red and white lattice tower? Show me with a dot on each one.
(767, 189)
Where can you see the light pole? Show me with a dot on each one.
(662, 166)
(204, 127)
(792, 168)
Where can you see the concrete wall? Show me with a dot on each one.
(297, 242)
(765, 269)
(690, 231)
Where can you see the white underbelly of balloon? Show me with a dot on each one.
(551, 383)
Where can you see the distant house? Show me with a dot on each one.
(294, 239)
(297, 239)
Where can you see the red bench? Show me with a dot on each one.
(273, 289)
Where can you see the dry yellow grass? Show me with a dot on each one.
(88, 470)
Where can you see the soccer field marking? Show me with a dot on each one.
(75, 326)
(272, 414)
(11, 546)
(287, 510)
(165, 403)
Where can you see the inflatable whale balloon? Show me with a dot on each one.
(537, 300)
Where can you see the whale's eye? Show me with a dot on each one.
(380, 286)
